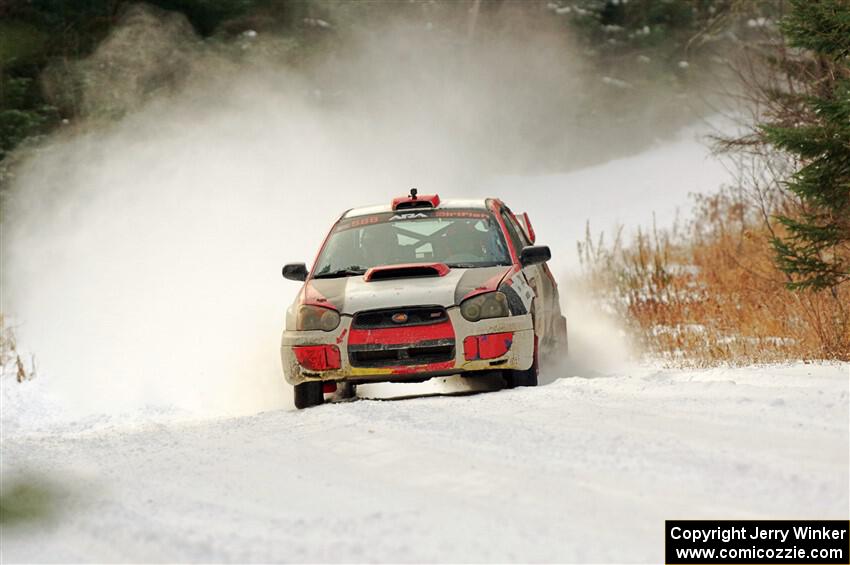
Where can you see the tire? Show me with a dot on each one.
(527, 377)
(514, 379)
(346, 390)
(308, 394)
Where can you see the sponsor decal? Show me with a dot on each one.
(461, 214)
(364, 221)
(409, 216)
(523, 290)
(413, 369)
(385, 217)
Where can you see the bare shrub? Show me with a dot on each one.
(10, 359)
(709, 293)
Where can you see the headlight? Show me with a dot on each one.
(316, 318)
(487, 305)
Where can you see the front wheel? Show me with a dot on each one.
(309, 394)
(514, 379)
(346, 390)
(527, 377)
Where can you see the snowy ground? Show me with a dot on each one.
(583, 469)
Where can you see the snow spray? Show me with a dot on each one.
(141, 255)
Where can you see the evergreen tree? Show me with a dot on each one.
(815, 248)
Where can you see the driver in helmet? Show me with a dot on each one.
(464, 242)
(378, 245)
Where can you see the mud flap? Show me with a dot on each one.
(557, 343)
(561, 337)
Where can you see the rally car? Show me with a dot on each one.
(421, 288)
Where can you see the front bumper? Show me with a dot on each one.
(519, 356)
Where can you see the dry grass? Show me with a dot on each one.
(10, 359)
(708, 293)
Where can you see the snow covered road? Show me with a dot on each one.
(582, 469)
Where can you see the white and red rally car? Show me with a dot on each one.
(417, 289)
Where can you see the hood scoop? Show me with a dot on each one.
(406, 271)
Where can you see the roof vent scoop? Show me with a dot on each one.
(415, 201)
(406, 271)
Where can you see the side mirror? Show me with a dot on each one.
(295, 271)
(534, 255)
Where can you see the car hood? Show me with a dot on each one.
(354, 294)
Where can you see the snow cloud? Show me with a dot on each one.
(141, 256)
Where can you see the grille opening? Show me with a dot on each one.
(416, 316)
(416, 355)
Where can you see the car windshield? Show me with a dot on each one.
(459, 238)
